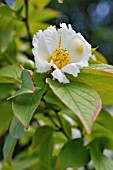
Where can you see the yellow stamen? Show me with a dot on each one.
(60, 57)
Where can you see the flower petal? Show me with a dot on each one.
(66, 34)
(41, 65)
(51, 38)
(79, 50)
(40, 45)
(71, 69)
(59, 76)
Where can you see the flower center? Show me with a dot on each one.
(60, 57)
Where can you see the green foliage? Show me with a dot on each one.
(100, 161)
(8, 148)
(41, 113)
(73, 154)
(79, 98)
(16, 129)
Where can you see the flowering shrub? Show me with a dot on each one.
(55, 110)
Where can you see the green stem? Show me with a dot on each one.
(62, 128)
(26, 21)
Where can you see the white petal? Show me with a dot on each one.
(79, 42)
(66, 35)
(40, 46)
(36, 38)
(71, 69)
(51, 38)
(59, 76)
(41, 65)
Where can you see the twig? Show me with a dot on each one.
(62, 128)
(59, 128)
(26, 21)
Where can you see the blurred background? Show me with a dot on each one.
(94, 19)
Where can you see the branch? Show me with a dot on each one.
(26, 21)
(59, 128)
(62, 128)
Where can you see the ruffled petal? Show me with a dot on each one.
(36, 38)
(79, 50)
(59, 76)
(51, 38)
(66, 34)
(71, 69)
(41, 65)
(40, 46)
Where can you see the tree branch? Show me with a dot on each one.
(26, 21)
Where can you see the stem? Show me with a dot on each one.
(26, 19)
(62, 128)
(58, 127)
(48, 115)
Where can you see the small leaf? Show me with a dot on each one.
(41, 4)
(100, 161)
(79, 98)
(100, 57)
(73, 155)
(16, 129)
(25, 105)
(8, 148)
(43, 142)
(10, 74)
(27, 84)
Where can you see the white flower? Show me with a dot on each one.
(62, 50)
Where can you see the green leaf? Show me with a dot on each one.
(25, 105)
(52, 98)
(43, 142)
(38, 80)
(101, 162)
(6, 115)
(16, 129)
(100, 78)
(10, 74)
(8, 148)
(79, 98)
(5, 90)
(100, 57)
(73, 155)
(6, 37)
(103, 126)
(25, 163)
(27, 84)
(41, 4)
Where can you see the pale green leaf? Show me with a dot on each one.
(79, 98)
(100, 78)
